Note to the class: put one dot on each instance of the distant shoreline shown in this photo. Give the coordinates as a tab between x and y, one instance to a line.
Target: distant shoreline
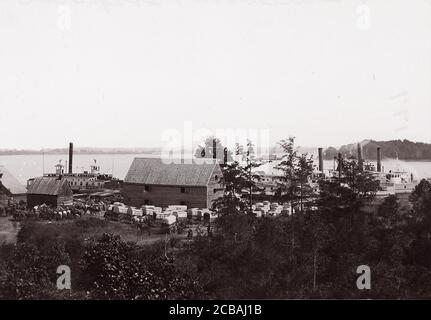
76	152
385	159
37	153
402	149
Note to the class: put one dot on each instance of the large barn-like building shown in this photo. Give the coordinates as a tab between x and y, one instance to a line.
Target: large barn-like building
54	192
150	181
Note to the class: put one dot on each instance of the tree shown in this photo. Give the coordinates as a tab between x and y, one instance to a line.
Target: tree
287	166
330	153
116	270
250	164
234	181
403	149
314	240
29	273
348	190
239	183
421	199
297	169
420	225
303	170
390	214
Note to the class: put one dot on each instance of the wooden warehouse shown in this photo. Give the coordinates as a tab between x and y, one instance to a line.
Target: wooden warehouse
150	181
51	191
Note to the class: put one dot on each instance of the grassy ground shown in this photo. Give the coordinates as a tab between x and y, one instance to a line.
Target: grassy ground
8	230
130	232
88	227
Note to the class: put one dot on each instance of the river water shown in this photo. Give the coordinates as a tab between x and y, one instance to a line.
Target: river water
24	167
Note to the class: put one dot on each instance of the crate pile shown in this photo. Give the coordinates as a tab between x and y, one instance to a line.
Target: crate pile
266	208
170	215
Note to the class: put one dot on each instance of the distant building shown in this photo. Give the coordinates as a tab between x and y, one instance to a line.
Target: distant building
270	177
50	191
92	180
150	181
268	183
11	187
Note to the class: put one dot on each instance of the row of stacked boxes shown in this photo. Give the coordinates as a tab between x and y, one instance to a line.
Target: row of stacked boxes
167	215
266	208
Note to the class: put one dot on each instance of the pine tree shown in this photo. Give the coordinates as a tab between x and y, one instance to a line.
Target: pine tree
239	182
297	169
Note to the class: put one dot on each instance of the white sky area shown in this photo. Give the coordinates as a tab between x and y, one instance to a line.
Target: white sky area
120	73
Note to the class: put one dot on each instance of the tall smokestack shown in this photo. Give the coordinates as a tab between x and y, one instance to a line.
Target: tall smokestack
320	159
340	165
70	157
214	149
379	159
360	160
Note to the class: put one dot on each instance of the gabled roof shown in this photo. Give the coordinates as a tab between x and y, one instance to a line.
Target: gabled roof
10	182
49	186
153	171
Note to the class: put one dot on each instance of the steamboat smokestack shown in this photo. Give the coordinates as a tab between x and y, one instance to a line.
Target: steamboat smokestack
360	160
70	157
320	159
379	159
214	149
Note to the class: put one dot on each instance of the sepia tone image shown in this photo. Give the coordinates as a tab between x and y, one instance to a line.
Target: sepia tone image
215	150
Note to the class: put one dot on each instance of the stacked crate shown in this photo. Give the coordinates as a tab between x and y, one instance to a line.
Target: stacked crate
150	210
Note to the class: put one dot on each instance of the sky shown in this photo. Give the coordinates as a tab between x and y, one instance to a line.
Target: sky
125	73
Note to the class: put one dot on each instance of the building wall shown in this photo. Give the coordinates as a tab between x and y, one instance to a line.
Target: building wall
214	189
38	199
4	190
159	195
78	183
20	197
53	201
4	199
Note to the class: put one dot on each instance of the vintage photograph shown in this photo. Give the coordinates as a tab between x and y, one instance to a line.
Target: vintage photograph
184	150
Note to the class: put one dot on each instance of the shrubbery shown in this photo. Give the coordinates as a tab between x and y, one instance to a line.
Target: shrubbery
104	267
330	244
